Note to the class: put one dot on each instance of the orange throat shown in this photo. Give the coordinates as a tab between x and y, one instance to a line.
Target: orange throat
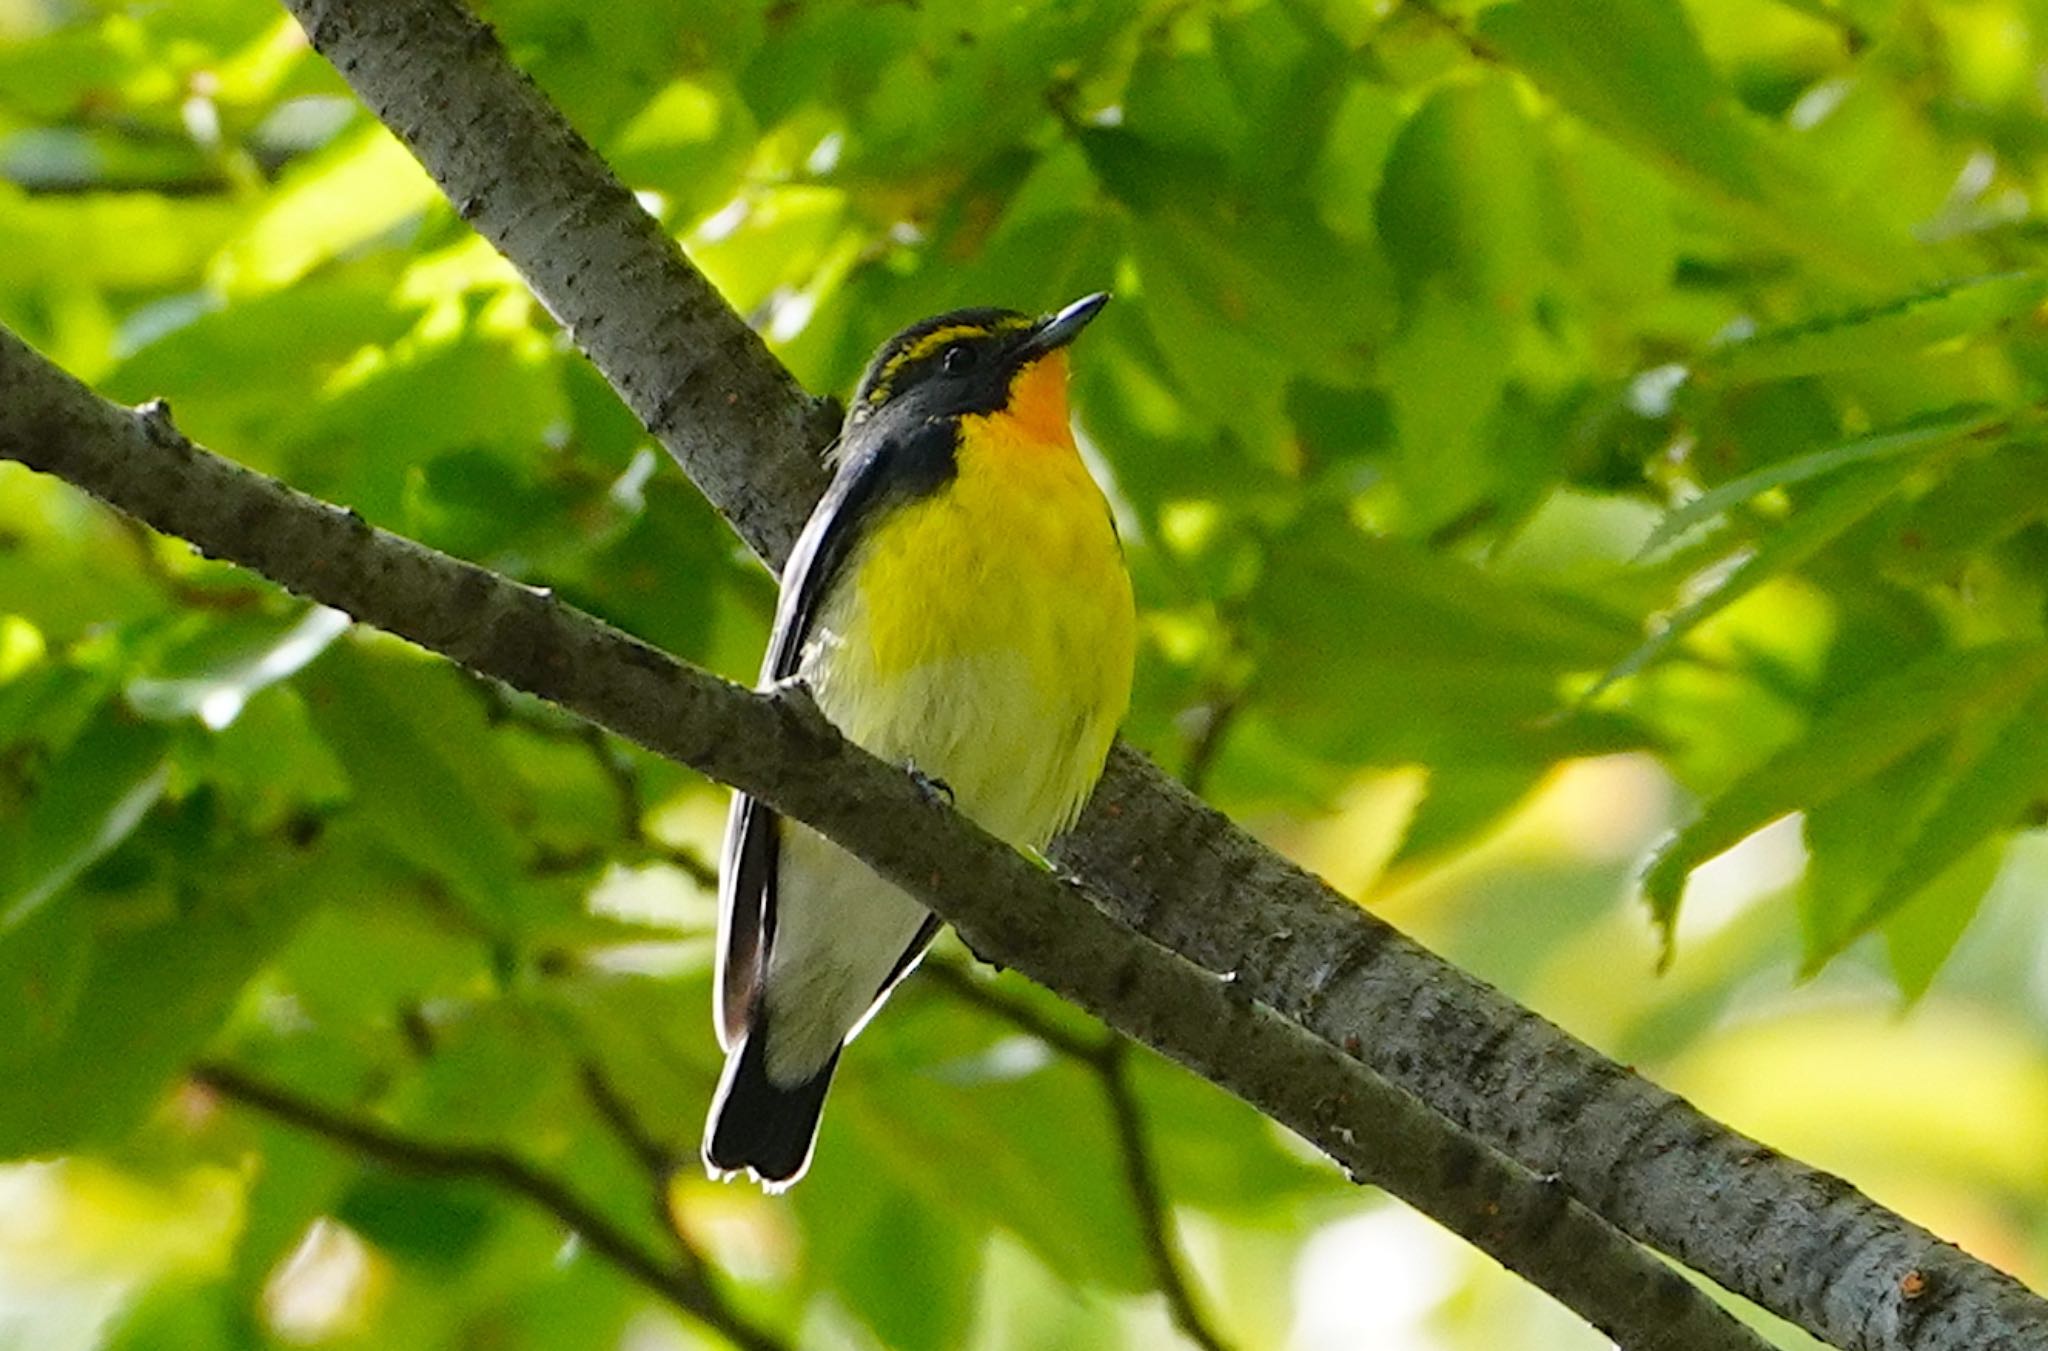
1037	410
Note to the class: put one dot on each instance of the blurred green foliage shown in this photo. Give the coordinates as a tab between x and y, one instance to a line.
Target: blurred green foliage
1490	388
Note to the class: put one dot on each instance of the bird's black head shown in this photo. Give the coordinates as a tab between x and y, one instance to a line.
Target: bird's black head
964	361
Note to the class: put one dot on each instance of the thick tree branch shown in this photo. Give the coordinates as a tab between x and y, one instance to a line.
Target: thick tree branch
681	1284
778	747
1799	1242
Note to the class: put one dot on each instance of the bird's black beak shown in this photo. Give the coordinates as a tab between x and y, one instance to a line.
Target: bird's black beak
1057	330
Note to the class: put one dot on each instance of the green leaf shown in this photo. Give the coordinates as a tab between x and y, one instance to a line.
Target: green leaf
969	1118
867	1237
155	992
45	960
1879	335
1818	523
688	142
178	1315
1923	433
1634	68
1997	784
213	678
387	950
1464	197
1347	627
654	578
66	563
1921	933
122	241
299	337
1863	734
1982	502
1261	91
1463	800
359	187
1218	1154
439	390
87	803
396	739
1857	839
1445	372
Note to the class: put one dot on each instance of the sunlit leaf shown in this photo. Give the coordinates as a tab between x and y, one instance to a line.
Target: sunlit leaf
425	808
1936	430
351	192
1859	737
1837	508
1921	933
213	680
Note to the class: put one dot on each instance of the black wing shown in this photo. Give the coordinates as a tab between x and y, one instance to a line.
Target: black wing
889	466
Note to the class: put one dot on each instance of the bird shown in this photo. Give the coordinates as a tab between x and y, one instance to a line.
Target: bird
958	603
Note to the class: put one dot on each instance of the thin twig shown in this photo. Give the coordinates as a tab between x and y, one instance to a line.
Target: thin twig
1109	1057
964	986
656	1160
1475	46
679	1284
1141	1174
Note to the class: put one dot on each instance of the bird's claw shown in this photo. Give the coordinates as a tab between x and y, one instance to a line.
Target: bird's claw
934	788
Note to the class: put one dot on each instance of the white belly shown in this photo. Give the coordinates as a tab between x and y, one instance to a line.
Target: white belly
839	928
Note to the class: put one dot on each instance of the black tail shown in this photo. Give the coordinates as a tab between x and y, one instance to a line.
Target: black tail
759	1125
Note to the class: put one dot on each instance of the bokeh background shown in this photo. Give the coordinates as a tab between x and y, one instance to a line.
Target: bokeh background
1533	425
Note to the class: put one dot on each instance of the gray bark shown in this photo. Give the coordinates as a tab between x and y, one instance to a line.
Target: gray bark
1800	1242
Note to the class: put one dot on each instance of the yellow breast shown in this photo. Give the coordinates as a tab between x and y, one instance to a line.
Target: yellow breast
986	633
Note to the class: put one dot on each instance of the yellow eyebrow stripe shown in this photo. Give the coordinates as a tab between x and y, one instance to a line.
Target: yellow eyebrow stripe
932	342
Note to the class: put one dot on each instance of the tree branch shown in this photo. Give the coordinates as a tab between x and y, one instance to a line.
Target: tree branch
1141	1175
778	747
682	1285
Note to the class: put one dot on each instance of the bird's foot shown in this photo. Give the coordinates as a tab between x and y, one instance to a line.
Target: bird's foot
934	788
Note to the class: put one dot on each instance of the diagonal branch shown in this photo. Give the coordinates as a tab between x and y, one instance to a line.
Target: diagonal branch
1797	1241
682	1285
778	747
657	1164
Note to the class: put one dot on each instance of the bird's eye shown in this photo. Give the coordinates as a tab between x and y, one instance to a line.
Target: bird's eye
957	359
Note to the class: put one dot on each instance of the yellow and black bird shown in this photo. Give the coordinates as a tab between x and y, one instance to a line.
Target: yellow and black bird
957	604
